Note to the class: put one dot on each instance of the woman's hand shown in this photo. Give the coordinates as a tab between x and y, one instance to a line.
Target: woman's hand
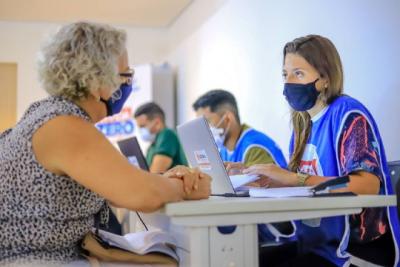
234	168
204	188
190	177
192	180
261	182
276	175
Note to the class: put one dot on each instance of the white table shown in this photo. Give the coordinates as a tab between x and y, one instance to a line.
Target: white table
194	223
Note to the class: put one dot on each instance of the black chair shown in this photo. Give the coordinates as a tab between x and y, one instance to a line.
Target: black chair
394	171
372	253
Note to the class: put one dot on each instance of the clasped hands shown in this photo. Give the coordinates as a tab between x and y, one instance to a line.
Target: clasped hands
196	184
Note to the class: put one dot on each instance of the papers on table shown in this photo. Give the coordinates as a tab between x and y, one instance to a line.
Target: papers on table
242	179
303	191
321	189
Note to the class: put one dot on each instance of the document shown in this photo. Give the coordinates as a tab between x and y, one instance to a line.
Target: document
242	179
320	190
143	242
301	191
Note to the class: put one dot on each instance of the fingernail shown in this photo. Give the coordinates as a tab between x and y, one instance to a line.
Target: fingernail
196	186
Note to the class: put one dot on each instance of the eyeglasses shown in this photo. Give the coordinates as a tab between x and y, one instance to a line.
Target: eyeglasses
127	76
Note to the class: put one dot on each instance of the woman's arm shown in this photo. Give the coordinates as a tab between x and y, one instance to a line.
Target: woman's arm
361	182
68	145
358	156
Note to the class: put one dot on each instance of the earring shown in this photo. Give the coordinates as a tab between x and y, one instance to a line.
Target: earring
96	97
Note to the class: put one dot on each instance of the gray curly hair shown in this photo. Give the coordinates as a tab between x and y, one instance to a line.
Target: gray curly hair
81	58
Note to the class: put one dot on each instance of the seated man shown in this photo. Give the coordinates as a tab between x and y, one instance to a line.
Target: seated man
165	150
239	143
236	142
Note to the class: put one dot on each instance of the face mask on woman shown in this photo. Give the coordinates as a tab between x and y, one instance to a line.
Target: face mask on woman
301	97
115	103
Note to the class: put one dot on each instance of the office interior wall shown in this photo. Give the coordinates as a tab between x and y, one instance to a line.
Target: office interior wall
21	41
8	99
239	47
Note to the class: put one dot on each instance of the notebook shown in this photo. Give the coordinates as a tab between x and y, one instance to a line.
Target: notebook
143	242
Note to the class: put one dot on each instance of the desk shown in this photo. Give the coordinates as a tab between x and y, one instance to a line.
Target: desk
194	223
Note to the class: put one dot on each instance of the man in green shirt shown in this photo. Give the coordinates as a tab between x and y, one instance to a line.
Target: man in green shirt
165	150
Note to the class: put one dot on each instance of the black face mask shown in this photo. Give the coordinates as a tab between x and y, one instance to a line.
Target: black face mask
301	97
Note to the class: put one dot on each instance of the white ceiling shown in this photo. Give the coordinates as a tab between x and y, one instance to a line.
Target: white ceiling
140	13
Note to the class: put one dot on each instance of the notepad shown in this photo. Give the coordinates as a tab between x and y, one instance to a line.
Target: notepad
143	242
302	191
242	179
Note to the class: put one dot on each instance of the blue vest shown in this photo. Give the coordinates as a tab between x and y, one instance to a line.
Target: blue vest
251	138
328	237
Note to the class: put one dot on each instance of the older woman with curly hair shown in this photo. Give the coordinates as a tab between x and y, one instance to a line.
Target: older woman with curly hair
57	170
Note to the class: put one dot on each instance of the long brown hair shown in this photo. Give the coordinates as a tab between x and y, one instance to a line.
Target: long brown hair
320	53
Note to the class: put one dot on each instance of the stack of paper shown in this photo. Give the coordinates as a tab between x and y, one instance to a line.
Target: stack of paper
303	191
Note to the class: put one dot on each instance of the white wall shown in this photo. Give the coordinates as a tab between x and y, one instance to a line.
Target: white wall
21	41
239	47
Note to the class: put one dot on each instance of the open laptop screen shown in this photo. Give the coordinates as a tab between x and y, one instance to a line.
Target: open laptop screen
202	152
131	149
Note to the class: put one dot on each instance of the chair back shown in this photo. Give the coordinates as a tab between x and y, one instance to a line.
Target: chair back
394	171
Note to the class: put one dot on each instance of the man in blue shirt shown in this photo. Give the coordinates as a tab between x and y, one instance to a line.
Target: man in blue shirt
237	142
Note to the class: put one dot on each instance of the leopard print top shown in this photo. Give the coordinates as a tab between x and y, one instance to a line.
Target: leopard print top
43	216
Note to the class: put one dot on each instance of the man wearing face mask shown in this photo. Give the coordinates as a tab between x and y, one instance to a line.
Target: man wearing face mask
236	142
165	150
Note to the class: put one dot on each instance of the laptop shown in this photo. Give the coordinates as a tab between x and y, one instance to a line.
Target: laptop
202	152
130	148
